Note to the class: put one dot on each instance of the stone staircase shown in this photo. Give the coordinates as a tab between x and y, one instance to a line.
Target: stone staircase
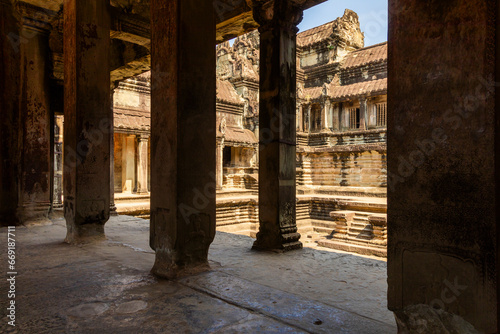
358	226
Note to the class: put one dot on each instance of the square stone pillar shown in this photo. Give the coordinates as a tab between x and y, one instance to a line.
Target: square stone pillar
87	118
327	111
344	117
300	123
309	118
9	114
219	161
336	117
36	163
142	164
277	142
183	135
443	165
363	114
112	205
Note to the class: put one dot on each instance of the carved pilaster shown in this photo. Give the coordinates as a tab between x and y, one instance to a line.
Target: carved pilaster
36	118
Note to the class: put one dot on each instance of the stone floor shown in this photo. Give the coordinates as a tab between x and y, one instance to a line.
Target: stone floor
107	288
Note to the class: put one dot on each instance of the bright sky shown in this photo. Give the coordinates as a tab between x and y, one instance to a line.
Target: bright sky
372	17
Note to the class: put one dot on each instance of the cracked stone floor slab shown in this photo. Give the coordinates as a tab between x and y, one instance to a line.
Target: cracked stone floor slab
106	287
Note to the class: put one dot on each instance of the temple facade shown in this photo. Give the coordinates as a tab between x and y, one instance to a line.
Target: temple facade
65	57
341	138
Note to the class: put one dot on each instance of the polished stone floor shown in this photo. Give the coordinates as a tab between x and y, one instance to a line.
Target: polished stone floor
107	288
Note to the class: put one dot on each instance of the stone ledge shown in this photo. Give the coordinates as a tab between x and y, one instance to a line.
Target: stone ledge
351	247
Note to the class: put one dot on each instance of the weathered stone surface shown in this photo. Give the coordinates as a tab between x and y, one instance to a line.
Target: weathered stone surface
9	115
37	154
277	104
87	127
417	319
442	159
183	90
106	288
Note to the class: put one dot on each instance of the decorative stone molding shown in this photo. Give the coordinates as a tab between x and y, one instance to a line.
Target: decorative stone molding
36	18
278	13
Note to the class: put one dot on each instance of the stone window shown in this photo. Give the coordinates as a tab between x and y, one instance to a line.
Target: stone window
316	117
382	114
227	156
354	118
305	118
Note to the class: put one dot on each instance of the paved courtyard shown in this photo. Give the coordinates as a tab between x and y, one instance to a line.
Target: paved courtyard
106	287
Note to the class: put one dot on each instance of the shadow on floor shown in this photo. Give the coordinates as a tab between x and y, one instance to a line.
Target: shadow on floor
106	288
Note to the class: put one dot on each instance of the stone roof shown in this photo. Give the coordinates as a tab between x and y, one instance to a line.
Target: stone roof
315	35
345	29
371	54
313	92
361	88
128	119
237	135
227	93
335	91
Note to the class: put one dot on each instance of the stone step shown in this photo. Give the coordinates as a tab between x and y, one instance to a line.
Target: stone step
352	247
323	230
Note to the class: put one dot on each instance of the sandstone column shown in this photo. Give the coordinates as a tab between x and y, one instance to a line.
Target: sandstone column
336	117
327	109
112	206
443	165
278	32
57	200
183	135
309	118
142	164
300	122
219	162
36	126
363	114
9	114
87	123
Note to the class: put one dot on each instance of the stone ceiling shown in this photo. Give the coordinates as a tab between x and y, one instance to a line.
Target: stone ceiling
130	30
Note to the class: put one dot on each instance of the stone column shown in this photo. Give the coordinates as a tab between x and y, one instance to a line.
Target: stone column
9	115
277	216
183	135
443	159
300	122
87	123
327	110
142	164
309	118
336	117
363	114
112	206
344	117
57	201
35	116
219	162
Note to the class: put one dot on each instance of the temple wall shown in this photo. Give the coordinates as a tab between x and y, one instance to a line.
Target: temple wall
343	169
443	156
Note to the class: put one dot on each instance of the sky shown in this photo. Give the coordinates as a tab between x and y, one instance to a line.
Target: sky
372	17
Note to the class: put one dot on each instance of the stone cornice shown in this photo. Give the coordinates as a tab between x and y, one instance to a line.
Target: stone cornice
35	17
